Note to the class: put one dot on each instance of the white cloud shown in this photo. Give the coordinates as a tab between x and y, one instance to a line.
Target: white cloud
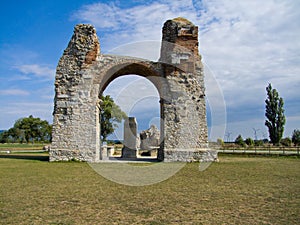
247	44
37	70
15	92
134	93
100	14
139	23
15	110
246	38
245	128
247	48
15	78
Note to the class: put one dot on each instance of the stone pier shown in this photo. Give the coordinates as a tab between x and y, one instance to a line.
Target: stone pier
130	149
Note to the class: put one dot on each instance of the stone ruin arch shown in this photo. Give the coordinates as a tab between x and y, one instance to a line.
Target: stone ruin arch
83	73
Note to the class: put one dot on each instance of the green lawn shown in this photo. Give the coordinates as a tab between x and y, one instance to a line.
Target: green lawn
237	190
17	147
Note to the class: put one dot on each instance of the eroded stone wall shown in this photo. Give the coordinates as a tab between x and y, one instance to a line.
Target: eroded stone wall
75	121
185	128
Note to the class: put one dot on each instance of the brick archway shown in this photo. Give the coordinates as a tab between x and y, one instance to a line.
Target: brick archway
83	73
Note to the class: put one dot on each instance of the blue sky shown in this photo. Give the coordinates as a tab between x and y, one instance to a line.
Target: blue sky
244	44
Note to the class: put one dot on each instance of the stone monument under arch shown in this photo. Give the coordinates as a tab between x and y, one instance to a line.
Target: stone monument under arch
83	73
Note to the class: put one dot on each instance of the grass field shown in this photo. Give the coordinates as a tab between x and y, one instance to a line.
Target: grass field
20	147
237	190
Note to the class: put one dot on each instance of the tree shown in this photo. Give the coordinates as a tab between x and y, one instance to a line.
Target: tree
4	137
32	129
296	137
220	142
26	130
275	115
259	142
249	141
16	134
110	116
286	141
11	135
240	141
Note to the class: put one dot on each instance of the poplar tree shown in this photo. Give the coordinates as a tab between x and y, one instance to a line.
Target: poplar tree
275	115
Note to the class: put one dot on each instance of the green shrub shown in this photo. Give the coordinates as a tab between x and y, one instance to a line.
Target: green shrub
249	141
240	141
296	137
220	142
259	142
286	142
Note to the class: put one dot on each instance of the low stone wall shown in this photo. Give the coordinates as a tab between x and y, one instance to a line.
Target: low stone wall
69	155
107	151
190	155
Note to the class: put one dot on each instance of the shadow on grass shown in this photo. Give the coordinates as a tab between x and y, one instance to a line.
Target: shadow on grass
140	159
25	156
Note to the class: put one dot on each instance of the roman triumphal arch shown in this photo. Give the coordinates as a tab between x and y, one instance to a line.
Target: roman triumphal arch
83	73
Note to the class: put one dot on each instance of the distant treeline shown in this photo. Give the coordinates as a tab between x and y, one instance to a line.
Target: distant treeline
287	141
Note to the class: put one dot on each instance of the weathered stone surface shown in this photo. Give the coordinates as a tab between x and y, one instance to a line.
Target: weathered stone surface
150	138
83	73
191	155
130	138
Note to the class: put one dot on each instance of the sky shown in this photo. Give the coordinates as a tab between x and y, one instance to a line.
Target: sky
244	46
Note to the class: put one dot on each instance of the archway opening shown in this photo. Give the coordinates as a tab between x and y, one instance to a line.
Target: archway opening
138	97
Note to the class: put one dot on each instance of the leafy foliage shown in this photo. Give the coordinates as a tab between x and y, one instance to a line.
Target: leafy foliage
28	129
220	142
296	137
110	116
249	141
258	142
287	142
239	140
275	115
